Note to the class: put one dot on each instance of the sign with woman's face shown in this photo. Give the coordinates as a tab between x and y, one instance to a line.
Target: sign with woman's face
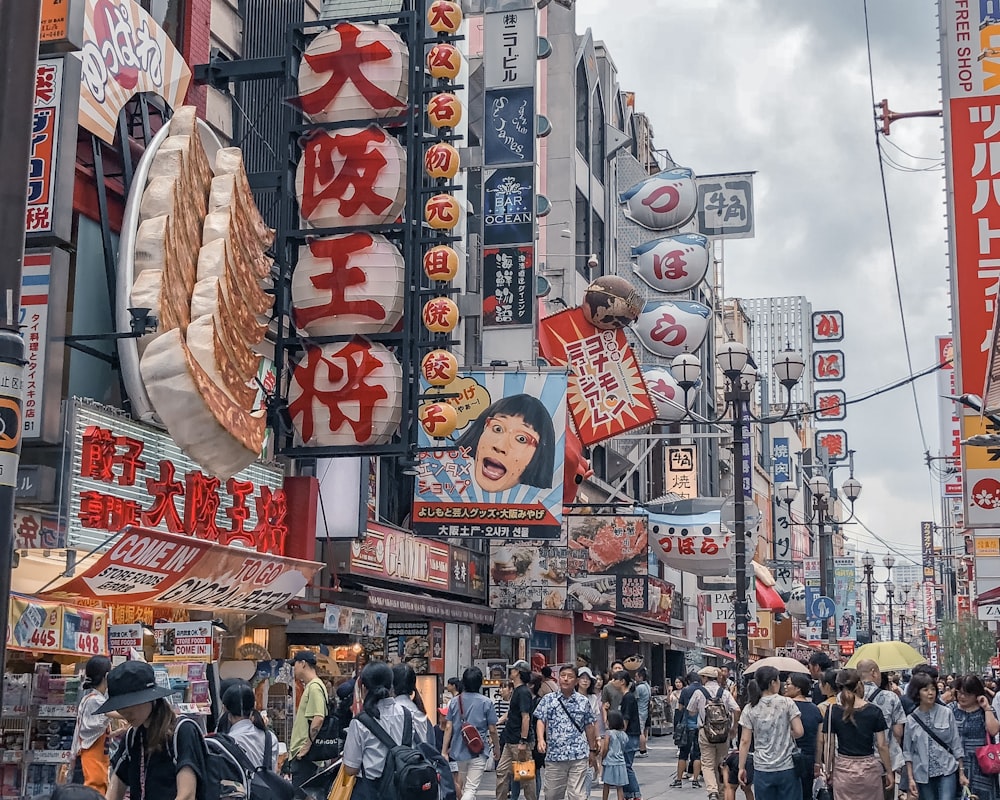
500	475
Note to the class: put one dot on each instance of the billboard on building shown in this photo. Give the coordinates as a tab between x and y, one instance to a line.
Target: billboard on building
500	474
845	597
949	418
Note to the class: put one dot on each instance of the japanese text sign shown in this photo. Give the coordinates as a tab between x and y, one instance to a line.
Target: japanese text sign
828	365
36	283
830	405
781	460
125	52
510	48
725	206
834	442
845	596
123	639
123	473
682	470
927	549
190	641
949	418
607	393
827	326
501	475
508	286
56	627
401	558
61	26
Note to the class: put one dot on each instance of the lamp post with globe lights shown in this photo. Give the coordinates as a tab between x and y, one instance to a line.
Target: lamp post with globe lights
890	592
868	564
821	515
740	378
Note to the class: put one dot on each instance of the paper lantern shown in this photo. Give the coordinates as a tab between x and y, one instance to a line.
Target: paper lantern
442	161
442	212
354	71
353	283
346	395
439	367
441	263
444	16
444	110
669	328
611	302
352	177
674	263
666	393
662	201
438	420
440	315
444	62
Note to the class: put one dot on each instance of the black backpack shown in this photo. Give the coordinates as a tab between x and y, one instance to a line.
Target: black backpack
407	773
224	778
262	783
327	744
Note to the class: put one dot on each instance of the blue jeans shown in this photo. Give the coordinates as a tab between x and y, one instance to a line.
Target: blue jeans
943	787
783	785
632	787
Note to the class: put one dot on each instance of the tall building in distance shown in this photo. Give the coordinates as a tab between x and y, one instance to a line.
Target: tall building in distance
776	324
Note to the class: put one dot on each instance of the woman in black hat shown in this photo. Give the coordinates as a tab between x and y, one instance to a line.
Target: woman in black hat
161	757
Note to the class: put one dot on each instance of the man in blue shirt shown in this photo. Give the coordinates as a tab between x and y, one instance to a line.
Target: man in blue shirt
562	717
475	709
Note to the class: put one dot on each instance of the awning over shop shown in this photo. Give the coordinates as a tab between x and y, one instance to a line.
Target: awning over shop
648	634
144	566
550	623
716	652
421	605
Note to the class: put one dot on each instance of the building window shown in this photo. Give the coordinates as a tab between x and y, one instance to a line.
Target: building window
582	112
597	242
597	164
169	15
582	234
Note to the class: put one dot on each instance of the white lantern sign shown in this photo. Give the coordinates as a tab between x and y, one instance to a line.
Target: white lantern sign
670	327
662	201
674	263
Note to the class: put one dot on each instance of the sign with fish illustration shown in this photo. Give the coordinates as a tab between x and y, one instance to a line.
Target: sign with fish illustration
662	201
668	328
672	264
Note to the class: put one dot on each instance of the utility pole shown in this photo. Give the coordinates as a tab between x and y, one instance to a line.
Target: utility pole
19	20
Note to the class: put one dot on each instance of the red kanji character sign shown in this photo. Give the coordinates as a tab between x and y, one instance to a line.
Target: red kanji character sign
828	326
828	365
830	405
834	442
201	504
163	491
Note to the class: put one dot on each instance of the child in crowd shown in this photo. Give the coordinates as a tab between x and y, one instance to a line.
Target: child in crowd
613	755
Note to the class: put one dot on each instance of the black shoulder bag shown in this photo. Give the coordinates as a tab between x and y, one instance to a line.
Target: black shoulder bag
930	733
566	712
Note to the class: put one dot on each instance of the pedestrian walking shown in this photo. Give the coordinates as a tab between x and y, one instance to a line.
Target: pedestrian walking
161	757
799	689
877	693
713	699
566	732
613	756
932	747
308	720
858	773
686	737
633	730
247	726
818	664
977	725
585	686
472	708
643	694
515	738
88	750
771	722
405	694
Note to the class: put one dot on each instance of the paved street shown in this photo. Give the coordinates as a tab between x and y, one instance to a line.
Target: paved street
655	774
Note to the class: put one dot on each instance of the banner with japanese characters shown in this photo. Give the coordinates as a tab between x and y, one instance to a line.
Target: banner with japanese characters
508	286
500	473
949	418
725	206
845	597
607	392
49	627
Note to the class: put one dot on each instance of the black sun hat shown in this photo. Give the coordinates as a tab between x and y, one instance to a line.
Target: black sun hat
131	684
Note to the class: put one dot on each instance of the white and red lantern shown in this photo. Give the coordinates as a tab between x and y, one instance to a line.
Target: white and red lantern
439	367
442	212
662	201
354	71
444	62
444	16
666	393
441	263
352	283
440	315
441	161
670	327
672	264
444	110
346	395
438	420
352	177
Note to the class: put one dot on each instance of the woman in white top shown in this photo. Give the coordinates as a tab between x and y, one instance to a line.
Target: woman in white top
770	722
404	687
247	727
91	731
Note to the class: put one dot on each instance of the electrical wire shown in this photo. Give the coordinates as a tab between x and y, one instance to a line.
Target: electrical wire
937	167
884	138
892	244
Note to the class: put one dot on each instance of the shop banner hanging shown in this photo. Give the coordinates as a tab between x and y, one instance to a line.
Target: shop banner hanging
49	627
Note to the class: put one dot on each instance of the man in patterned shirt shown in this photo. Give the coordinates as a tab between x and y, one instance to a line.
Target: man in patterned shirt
890	706
561	719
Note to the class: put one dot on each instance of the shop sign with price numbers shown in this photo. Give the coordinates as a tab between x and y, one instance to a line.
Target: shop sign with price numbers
49	627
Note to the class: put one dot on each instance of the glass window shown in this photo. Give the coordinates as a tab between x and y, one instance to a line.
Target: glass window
582	234
597	242
582	112
169	15
597	137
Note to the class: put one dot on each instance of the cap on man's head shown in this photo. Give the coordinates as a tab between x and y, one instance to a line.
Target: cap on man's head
305	655
709	672
520	664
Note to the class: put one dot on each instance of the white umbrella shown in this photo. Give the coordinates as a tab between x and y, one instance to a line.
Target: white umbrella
780	663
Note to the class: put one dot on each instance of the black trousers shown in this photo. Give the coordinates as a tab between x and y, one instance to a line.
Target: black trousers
301	771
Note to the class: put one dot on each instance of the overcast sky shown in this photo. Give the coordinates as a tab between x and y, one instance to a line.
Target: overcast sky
781	87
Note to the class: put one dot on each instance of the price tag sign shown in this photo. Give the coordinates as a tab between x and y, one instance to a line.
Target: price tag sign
44	639
56	712
89	643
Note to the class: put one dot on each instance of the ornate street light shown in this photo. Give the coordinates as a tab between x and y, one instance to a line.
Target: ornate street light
741	378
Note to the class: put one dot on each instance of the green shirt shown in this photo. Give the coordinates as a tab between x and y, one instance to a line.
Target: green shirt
312	704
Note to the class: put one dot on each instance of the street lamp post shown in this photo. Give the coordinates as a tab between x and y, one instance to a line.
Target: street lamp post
902	614
741	376
868	562
822	504
890	590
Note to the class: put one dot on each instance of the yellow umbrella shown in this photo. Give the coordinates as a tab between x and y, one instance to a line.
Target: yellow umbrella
888	655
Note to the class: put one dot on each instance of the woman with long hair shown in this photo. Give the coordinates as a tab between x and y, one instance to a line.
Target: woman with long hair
585	686
404	687
861	732
977	725
932	747
161	757
770	721
88	751
799	689
247	728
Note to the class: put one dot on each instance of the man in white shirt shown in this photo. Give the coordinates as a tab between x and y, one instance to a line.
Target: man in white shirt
713	754
889	705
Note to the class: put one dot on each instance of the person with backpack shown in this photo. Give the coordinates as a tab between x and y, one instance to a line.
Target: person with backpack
471	719
629	710
381	748
308	720
404	688
686	736
247	727
717	714
161	757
